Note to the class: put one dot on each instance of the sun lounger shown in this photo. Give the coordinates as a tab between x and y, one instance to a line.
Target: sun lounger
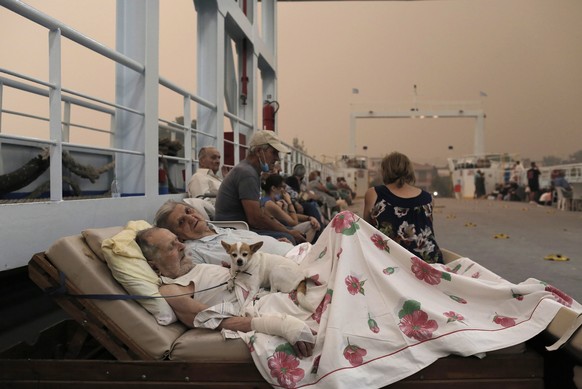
144	352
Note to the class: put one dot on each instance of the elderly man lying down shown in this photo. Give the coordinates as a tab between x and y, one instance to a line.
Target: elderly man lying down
382	313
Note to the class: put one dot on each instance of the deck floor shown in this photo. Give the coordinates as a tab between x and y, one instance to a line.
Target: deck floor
469	227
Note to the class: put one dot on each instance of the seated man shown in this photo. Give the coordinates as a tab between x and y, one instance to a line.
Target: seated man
239	194
182	280
205	182
202	239
300	196
343	185
337	192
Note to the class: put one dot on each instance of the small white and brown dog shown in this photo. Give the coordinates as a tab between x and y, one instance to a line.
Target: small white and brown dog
263	270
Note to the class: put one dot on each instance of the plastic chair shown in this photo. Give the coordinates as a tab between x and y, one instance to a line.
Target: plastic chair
564	201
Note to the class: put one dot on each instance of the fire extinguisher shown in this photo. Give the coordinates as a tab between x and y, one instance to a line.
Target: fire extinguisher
162	180
269	110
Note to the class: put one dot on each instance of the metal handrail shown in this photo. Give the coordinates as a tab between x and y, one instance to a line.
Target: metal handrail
50	23
42	92
22	114
104	106
241	121
168	84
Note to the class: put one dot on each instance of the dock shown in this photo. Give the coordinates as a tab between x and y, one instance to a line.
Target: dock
513	239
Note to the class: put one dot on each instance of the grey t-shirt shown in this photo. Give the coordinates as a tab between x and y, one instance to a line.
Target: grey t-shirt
209	250
241	183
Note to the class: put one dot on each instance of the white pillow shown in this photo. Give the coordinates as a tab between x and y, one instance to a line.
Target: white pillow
130	268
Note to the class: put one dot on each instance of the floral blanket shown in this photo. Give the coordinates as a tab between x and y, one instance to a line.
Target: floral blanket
384	314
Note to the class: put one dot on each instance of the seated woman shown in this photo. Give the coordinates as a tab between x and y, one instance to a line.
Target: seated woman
402	211
278	203
323	194
300	196
202	239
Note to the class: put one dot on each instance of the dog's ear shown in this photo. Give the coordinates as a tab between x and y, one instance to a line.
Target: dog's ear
225	245
256	246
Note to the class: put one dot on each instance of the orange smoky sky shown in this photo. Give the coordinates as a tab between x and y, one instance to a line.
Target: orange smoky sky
524	54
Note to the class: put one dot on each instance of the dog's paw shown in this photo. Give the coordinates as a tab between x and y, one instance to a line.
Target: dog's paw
230	285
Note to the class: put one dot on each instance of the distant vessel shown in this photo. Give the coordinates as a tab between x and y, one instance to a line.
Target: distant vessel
497	169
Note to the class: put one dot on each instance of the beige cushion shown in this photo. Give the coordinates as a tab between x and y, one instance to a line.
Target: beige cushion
449	256
207	345
72	256
561	323
130	269
95	236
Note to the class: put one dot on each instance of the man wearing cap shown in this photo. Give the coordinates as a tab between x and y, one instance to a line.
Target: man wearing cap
239	194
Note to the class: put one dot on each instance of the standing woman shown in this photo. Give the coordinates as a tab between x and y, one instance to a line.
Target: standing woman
401	210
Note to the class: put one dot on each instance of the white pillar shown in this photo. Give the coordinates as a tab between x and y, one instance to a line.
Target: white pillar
210	69
480	134
137	37
56	150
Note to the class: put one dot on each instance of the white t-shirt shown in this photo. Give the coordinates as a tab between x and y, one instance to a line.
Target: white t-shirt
209	250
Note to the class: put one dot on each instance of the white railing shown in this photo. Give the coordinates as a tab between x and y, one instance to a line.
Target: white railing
62	101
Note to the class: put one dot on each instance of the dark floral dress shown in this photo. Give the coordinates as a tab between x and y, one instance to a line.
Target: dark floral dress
408	222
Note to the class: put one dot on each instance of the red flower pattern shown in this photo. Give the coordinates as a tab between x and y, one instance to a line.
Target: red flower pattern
285	368
504	321
315	365
425	272
380	243
354	285
354	354
343	221
416	325
560	296
373	325
322	306
454	316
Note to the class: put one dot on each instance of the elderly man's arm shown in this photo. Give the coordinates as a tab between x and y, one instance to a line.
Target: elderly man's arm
186	309
180	299
261	220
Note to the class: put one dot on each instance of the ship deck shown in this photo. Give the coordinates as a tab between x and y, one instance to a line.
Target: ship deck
512	239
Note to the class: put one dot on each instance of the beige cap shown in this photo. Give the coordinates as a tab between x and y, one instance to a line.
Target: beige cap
264	137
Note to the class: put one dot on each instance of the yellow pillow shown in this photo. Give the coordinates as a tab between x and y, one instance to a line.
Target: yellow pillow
130	268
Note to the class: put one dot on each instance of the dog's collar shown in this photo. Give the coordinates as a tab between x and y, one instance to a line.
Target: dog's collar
243	271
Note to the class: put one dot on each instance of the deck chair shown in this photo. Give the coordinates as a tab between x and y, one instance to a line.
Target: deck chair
146	353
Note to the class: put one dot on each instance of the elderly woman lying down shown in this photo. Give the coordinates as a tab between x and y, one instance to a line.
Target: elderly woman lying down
203	239
382	313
